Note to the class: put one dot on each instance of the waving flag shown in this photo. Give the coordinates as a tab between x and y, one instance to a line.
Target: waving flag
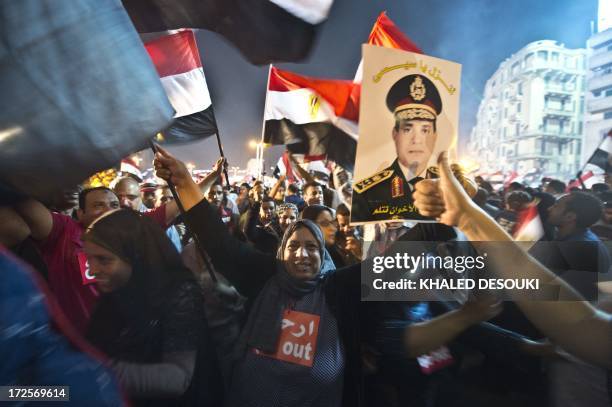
178	64
79	93
529	227
264	31
310	116
601	156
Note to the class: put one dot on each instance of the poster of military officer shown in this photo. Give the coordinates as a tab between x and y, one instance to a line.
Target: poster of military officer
408	114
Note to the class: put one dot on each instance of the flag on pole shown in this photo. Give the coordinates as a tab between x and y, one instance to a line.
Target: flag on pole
529	227
264	31
79	92
601	156
310	116
386	34
178	64
585	178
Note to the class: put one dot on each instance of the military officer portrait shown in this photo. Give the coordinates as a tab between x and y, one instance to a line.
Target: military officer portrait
415	104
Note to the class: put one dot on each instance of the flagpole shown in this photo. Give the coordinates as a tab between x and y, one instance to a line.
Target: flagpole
263	124
218	136
182	211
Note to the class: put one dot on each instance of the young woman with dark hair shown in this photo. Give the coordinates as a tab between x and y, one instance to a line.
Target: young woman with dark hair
150	319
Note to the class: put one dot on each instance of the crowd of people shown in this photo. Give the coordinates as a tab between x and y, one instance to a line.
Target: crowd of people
252	296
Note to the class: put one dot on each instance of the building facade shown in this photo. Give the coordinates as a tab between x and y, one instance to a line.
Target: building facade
598	116
531	117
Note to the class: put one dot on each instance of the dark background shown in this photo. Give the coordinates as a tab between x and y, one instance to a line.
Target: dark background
479	34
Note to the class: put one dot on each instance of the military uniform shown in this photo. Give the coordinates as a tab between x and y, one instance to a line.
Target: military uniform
387	195
383	196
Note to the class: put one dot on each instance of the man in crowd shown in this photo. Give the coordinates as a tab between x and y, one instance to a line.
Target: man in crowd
292	196
59	238
348	241
147	194
555	187
313	193
128	191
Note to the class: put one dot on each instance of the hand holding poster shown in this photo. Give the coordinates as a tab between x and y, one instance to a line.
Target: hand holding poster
409	113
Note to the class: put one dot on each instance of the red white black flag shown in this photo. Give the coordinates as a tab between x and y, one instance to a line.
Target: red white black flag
311	116
264	31
177	61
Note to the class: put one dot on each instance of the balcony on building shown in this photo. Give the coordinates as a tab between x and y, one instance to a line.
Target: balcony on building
599	105
599	60
600	81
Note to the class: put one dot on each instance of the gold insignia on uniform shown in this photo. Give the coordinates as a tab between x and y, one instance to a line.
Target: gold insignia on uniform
417	89
375	179
314	104
397	187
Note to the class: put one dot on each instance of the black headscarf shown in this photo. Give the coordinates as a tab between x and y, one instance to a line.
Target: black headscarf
156	267
312	212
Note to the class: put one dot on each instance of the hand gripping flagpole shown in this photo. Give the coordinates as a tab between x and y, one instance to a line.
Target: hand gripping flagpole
189	227
220	147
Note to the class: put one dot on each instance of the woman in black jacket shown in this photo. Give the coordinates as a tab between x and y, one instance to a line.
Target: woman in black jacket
302	341
150	319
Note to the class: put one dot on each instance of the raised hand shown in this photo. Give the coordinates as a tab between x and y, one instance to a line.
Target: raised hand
443	198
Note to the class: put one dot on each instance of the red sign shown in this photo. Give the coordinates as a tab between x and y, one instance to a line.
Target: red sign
298	339
84	267
435	360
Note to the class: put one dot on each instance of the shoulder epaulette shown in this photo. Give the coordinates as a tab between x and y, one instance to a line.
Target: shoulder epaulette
369	182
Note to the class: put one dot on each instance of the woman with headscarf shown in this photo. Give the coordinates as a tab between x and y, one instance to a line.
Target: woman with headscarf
150	319
300	345
325	218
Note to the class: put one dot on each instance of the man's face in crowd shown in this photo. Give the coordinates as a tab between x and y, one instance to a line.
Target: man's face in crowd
328	226
244	191
302	255
266	212
97	203
414	143
343	225
148	198
314	195
110	271
286	218
215	195
164	196
128	192
557	214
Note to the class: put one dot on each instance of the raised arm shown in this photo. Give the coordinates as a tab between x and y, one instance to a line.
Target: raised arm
244	266
303	173
172	210
37	217
276	186
573	324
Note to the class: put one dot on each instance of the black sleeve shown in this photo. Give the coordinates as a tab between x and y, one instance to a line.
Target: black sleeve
251	231
246	268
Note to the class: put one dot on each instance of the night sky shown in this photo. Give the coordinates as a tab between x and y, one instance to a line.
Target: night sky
479	34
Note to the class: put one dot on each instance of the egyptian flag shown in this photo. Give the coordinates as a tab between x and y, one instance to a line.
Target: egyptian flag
529	227
264	31
310	116
601	156
178	64
386	34
584	181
